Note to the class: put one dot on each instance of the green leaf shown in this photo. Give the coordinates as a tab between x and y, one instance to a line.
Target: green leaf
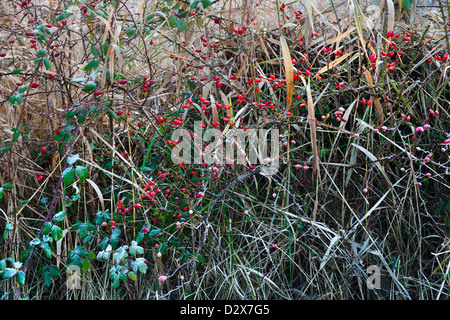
47	250
194	3
77	80
57	233
94	51
8	273
6	149
406	4
102	245
42	52
114	115
47	228
132	276
59	216
206	3
72	159
89	86
134	248
16	136
116	282
20	277
172	20
47	63
85	265
8	186
63	15
83	228
101	216
16	71
93	64
23	89
114	241
1	192
120	254
82	172
68	176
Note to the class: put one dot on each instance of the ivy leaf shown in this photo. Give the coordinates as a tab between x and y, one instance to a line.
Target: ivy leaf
68	176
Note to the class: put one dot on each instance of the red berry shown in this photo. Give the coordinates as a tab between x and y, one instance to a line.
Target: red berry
119	112
43	150
35	84
97	93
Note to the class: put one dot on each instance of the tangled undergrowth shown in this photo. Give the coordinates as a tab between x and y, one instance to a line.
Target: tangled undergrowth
94	207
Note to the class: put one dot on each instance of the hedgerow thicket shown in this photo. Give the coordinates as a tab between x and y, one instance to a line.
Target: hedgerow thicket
92	205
